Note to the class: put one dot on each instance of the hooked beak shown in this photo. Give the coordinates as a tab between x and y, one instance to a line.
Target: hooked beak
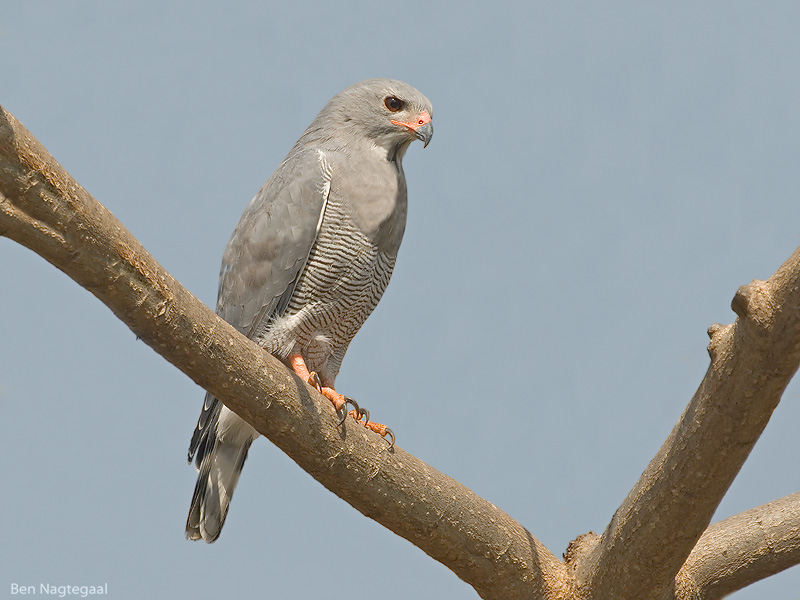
424	133
421	127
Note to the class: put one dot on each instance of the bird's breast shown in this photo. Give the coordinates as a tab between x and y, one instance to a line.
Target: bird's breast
376	198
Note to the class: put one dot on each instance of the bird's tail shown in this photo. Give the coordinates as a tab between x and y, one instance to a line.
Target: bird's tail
220	459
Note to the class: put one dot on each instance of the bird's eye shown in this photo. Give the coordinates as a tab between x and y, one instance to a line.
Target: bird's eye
393	104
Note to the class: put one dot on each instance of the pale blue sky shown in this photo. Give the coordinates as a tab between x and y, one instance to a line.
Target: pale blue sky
603	177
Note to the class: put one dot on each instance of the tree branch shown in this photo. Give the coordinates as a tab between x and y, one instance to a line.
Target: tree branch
741	550
44	209
649	539
654	530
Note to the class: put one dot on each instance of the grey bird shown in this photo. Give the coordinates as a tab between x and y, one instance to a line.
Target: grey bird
307	263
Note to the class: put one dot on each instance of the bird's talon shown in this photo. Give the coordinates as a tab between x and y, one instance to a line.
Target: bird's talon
315	381
364	413
389	432
352	402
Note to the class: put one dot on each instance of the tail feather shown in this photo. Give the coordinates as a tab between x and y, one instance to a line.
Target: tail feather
219	469
207	421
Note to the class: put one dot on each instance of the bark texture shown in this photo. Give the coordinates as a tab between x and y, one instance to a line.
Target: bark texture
741	550
643	552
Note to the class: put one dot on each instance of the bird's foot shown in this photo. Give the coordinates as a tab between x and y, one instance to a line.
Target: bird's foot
381	430
339	401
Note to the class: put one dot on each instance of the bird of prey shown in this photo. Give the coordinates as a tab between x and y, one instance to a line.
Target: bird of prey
307	263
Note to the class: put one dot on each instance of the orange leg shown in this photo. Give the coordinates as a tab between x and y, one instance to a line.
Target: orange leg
298	365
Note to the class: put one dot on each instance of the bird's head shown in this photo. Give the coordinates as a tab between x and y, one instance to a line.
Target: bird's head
390	114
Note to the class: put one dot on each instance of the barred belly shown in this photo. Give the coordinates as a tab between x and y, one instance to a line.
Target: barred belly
342	282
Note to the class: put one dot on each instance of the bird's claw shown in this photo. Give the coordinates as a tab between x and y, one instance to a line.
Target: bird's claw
315	381
348	400
357	413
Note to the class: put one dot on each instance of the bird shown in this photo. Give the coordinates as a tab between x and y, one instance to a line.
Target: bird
308	262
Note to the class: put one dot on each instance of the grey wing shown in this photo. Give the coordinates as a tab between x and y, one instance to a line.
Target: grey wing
266	255
272	241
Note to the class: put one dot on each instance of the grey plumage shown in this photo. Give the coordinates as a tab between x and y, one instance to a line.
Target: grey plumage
310	259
